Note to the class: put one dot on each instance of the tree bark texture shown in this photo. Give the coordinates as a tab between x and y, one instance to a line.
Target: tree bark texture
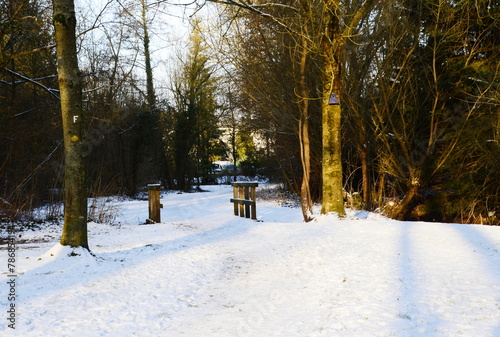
333	200
365	172
150	92
75	149
304	139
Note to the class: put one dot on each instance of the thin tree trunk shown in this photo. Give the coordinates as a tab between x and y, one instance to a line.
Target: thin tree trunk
365	172
70	86
305	147
150	92
380	190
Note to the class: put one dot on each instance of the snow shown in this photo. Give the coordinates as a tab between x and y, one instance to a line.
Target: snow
205	272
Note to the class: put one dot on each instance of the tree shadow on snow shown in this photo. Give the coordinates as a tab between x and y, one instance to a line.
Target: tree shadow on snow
59	273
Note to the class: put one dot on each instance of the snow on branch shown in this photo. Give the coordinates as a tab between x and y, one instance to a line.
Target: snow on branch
50	91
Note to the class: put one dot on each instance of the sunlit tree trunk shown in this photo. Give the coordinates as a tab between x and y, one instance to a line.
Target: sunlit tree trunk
70	86
332	43
333	200
365	173
332	40
305	143
304	139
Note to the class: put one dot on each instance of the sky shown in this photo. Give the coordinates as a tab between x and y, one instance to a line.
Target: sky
169	31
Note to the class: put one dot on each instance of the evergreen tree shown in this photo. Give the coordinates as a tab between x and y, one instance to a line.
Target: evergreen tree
195	114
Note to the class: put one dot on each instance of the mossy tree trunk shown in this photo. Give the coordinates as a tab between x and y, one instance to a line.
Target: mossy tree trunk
75	149
333	40
333	200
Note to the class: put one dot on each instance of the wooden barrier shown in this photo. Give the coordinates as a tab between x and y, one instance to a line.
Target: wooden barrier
244	199
154	203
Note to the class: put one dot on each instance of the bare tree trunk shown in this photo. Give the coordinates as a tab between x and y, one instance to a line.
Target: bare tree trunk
333	200
150	92
305	147
402	208
380	190
332	43
70	86
365	172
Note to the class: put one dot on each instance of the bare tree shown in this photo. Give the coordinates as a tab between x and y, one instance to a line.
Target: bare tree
327	41
435	83
333	42
70	86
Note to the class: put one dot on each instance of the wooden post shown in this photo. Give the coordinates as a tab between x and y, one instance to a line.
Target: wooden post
254	205
242	207
154	202
247	197
235	195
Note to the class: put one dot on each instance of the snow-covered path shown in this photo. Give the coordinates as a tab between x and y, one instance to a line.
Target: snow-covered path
205	272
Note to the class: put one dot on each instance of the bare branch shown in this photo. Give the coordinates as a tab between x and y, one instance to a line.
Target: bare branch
32	51
358	17
256	8
50	91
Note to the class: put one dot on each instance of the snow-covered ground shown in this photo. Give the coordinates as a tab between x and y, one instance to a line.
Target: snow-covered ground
205	272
